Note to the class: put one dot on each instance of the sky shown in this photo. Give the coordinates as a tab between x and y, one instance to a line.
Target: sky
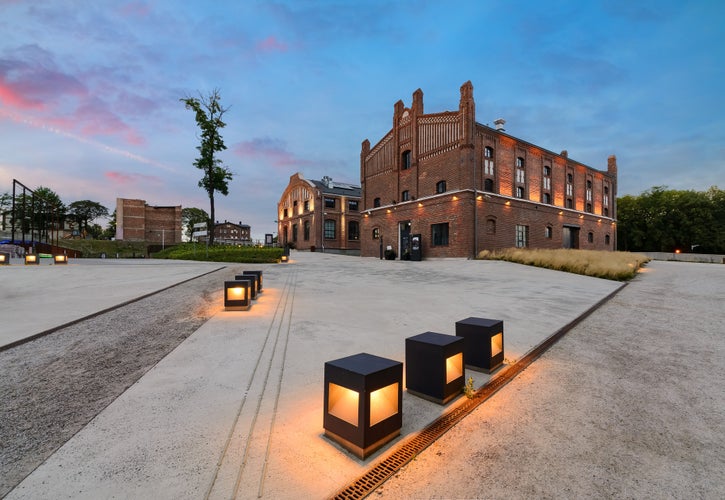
90	91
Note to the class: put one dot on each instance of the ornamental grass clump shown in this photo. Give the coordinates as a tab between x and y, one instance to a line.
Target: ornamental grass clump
620	266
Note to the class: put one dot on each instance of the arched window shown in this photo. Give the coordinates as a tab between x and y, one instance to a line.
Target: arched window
488	152
547	198
405	195
488	185
376	202
519	162
606	239
547	232
441	187
519	192
590	237
376	233
405	164
491	226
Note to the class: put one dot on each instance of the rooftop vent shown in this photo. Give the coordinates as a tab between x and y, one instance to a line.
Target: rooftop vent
499	123
327	181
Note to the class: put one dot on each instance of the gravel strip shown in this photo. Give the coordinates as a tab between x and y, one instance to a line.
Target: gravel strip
53	386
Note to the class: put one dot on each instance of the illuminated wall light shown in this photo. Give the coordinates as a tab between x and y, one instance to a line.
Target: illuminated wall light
455	198
434	366
31	259
483	343
420	204
508	203
479	197
4	259
561	212
60	259
388	211
236	295
363	404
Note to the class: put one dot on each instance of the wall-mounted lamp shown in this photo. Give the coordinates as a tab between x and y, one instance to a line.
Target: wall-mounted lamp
483	343
60	259
31	259
236	295
508	203
4	259
561	212
363	402
434	366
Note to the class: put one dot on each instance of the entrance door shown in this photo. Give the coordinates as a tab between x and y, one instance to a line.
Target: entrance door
570	237
404	239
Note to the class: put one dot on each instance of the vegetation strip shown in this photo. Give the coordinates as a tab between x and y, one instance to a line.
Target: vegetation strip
415	444
98	313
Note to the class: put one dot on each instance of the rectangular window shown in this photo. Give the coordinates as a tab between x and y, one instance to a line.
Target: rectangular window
307	230
405	195
520	176
329	229
352	205
522	236
329	202
353	230
294	232
439	234
307	205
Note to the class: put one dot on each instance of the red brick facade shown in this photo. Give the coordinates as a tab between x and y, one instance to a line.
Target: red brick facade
321	214
466	187
137	221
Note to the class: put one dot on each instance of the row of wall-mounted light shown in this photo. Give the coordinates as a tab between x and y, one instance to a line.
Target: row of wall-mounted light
363	408
32	259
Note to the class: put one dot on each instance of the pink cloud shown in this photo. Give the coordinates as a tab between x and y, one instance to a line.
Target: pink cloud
135	9
30	83
271	44
270	150
126	179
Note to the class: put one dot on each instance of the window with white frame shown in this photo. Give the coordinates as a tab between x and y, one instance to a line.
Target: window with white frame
522	236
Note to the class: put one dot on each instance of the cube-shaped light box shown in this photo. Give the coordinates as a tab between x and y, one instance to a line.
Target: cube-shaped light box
363	403
32	259
60	259
4	259
258	274
252	283
483	343
434	366
237	295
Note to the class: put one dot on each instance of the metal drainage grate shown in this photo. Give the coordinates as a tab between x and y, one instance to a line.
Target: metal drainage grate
408	450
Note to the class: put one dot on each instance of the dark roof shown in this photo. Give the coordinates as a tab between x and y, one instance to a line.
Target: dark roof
339	188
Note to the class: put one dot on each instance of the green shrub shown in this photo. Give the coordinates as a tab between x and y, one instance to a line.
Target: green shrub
221	253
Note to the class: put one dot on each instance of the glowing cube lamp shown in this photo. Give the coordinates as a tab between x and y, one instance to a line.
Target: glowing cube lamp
4	259
363	402
60	259
483	343
32	259
434	366
258	274
237	295
252	283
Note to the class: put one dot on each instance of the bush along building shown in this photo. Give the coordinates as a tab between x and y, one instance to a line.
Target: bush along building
457	187
320	215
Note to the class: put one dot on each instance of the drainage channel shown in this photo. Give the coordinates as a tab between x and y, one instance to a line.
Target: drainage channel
413	446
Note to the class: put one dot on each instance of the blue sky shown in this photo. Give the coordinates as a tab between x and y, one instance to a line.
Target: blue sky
89	91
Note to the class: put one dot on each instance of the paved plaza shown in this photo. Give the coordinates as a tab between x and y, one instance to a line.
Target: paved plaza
629	403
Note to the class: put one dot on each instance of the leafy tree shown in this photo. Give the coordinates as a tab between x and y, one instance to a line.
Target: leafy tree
85	211
191	216
667	220
209	114
6	205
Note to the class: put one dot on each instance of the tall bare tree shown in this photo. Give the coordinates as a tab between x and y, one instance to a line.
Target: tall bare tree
209	113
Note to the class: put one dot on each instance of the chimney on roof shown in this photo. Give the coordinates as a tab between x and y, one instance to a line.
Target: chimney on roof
499	123
327	181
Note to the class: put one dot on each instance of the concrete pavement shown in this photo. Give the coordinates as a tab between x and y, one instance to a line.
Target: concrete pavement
236	410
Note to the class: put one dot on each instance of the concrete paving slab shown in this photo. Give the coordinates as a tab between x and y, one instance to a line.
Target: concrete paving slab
37	298
236	410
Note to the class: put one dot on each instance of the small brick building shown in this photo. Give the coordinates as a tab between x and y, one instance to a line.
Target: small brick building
138	221
320	215
232	234
465	187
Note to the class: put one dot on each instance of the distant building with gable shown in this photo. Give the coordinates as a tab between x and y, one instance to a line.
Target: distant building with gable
320	215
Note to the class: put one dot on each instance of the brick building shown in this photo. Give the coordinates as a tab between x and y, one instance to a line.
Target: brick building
466	187
138	221
232	234
320	215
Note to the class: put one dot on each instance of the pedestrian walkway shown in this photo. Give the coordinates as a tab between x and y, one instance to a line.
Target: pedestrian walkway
236	410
